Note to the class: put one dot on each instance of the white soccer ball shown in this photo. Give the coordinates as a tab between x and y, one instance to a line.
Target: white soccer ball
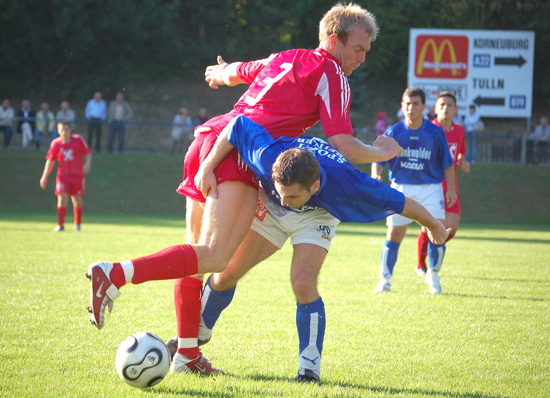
142	360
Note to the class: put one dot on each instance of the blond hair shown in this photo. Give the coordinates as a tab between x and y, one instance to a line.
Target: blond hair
342	19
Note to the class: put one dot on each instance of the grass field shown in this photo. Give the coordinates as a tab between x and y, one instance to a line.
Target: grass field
487	335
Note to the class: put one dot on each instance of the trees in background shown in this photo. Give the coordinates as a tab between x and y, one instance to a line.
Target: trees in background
77	46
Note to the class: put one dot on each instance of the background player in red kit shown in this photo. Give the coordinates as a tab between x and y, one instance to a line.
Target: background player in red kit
445	108
289	92
69	150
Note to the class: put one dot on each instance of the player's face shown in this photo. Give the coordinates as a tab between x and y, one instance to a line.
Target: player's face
413	108
352	54
445	108
295	196
64	132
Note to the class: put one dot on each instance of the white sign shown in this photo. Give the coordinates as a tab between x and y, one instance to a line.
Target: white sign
492	69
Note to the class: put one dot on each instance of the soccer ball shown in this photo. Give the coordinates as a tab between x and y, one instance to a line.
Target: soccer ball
142	360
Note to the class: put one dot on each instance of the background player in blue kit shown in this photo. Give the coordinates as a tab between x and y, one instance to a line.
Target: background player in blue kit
300	178
418	172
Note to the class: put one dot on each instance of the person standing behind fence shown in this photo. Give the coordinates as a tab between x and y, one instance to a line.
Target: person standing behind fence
541	133
96	111
381	123
26	122
445	109
65	114
118	114
182	130
6	120
45	124
202	117
473	126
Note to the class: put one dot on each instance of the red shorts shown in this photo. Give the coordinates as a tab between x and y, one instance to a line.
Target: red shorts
70	184
231	168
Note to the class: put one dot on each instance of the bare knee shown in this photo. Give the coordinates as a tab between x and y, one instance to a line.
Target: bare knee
224	280
305	289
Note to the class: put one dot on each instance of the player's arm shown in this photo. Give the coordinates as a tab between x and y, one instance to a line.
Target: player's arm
87	163
48	167
383	149
376	171
222	74
450	196
415	211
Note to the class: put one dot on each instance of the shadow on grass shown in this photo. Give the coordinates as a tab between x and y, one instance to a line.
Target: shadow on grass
481	296
352	389
482	278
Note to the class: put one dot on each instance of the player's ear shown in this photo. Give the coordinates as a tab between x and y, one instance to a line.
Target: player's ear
315	187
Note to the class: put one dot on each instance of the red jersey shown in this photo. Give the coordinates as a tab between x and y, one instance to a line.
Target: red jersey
457	144
291	91
69	155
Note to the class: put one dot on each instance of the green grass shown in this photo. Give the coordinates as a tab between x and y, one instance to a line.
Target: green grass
486	336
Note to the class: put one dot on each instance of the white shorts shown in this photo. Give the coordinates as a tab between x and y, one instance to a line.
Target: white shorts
428	195
317	227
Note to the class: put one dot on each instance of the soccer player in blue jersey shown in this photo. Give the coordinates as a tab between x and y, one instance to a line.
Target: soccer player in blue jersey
418	172
307	187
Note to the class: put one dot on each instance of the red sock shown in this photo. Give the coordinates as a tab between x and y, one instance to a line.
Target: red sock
423	241
171	263
77	215
61	211
187	299
117	275
451	236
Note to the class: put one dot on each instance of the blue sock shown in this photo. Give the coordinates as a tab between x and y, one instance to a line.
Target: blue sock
436	253
213	303
311	321
388	259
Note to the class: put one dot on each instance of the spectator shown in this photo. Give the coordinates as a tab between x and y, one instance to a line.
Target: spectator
473	126
65	114
6	120
45	124
96	111
118	114
25	122
182	129
381	123
202	117
542	131
431	115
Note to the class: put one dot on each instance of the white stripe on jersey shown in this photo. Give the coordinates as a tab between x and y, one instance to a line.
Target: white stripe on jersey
323	91
344	86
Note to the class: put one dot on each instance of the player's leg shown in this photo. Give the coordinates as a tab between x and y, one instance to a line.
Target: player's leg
422	244
78	208
452	220
220	287
310	309
397	228
62	201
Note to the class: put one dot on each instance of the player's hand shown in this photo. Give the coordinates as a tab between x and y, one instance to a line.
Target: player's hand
451	197
377	177
388	147
43	182
438	234
465	166
86	168
214	73
205	181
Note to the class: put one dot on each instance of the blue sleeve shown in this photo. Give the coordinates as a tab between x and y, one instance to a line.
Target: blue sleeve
249	138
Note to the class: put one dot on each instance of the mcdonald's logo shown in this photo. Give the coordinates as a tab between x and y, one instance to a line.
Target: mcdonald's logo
441	57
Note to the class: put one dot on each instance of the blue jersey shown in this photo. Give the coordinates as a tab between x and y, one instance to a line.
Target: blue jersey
345	192
425	154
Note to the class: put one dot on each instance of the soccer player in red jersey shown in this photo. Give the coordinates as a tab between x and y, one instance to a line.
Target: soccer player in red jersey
445	108
289	92
68	150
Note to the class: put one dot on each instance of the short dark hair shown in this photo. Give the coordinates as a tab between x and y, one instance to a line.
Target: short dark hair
415	92
296	165
446	94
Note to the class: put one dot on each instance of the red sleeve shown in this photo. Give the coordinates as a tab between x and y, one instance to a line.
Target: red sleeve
334	97
83	146
248	71
53	151
462	141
